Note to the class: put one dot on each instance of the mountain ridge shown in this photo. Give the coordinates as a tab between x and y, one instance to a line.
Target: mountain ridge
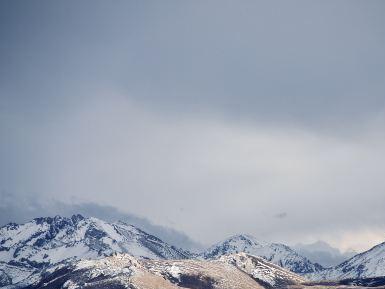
238	271
276	253
46	243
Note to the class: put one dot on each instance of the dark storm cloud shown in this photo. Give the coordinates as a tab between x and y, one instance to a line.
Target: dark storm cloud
233	111
312	63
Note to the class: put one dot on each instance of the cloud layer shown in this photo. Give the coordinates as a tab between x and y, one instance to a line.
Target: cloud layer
212	118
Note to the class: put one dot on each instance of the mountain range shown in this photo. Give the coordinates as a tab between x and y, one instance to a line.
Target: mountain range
45	242
239	271
31	252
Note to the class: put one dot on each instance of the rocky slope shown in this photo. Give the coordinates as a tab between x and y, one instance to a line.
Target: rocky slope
124	271
266	273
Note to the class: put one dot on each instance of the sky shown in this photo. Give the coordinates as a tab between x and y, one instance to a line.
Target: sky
209	117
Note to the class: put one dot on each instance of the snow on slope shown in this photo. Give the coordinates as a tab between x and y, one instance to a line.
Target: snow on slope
44	242
262	270
13	273
52	240
239	271
278	254
370	263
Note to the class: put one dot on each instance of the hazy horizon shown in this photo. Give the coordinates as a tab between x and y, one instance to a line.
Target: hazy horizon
51	208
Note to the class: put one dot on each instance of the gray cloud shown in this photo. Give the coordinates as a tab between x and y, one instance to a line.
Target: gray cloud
314	64
232	112
322	253
23	208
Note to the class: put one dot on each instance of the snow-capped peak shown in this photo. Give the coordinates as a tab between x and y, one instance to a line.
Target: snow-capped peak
46	241
276	253
232	245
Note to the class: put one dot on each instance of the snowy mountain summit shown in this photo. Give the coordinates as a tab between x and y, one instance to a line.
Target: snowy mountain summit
51	240
276	253
44	242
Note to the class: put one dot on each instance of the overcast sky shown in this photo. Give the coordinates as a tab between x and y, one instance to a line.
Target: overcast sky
210	117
